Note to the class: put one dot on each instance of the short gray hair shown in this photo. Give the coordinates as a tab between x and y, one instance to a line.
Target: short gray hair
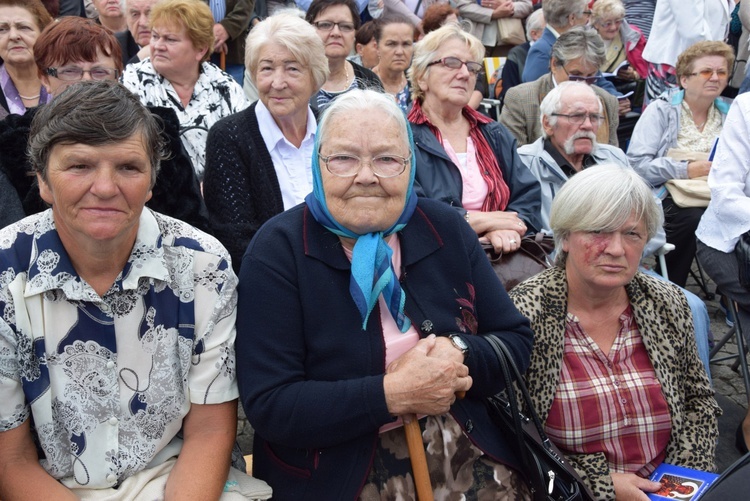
426	50
535	22
602	198
576	43
357	102
94	113
294	34
557	12
553	101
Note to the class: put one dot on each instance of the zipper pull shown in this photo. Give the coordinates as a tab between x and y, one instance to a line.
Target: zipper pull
551	485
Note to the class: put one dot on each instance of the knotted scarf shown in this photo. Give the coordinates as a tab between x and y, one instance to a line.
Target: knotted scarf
498	193
372	266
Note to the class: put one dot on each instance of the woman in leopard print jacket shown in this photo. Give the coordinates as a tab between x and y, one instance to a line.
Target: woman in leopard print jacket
615	374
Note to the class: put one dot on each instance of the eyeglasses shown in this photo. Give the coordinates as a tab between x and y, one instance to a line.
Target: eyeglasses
587	13
580	78
708	73
580	118
609	24
345	165
455	63
328	26
74	73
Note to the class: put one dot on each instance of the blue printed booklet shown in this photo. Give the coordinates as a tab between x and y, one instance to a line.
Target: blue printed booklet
678	483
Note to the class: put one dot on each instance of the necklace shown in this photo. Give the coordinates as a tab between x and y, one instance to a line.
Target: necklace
346	77
28	98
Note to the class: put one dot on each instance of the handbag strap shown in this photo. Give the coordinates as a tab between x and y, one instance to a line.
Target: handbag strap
510	369
512	398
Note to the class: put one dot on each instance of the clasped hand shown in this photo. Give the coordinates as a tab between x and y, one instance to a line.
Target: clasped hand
503	230
425	379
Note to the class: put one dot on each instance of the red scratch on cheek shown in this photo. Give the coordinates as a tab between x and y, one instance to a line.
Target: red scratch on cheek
595	247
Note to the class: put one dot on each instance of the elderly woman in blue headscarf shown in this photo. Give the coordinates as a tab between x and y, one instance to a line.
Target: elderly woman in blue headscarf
364	306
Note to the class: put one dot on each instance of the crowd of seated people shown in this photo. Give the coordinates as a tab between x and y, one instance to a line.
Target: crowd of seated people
345	212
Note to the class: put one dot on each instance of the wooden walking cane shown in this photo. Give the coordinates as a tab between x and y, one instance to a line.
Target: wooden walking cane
418	458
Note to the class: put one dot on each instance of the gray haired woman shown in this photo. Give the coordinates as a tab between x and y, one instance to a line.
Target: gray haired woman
615	374
258	160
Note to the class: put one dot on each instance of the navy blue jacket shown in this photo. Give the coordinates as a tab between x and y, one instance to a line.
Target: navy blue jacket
439	178
311	379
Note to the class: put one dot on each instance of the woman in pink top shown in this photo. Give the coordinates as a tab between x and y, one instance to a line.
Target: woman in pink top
464	158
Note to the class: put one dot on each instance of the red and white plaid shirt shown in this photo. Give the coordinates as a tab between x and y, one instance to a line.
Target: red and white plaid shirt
610	403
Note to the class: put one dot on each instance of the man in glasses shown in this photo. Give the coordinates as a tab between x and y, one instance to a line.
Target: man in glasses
571	114
576	56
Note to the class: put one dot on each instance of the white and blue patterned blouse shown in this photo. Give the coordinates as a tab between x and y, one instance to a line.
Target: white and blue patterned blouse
108	380
216	95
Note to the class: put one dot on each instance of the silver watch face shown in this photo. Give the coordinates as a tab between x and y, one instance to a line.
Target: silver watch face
460	343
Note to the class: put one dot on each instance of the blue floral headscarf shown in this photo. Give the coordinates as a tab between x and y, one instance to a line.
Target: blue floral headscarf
372	265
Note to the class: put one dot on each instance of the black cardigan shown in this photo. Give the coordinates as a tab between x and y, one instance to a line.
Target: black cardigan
240	186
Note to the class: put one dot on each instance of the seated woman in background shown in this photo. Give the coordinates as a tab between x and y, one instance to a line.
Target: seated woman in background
335	22
21	22
258	160
179	76
688	120
464	158
727	218
622	42
74	49
110	15
395	39
328	364
365	45
615	374
440	14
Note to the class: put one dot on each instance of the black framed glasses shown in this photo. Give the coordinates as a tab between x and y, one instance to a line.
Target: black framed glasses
707	73
346	165
328	26
580	118
74	73
455	63
580	78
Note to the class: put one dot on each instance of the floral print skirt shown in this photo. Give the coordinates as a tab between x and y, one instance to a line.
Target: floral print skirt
458	469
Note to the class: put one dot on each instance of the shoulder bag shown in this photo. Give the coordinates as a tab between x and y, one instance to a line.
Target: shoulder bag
548	474
510	31
531	258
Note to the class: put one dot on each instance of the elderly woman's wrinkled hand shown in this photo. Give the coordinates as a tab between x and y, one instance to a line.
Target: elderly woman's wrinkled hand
484	222
698	168
503	241
631	487
418	383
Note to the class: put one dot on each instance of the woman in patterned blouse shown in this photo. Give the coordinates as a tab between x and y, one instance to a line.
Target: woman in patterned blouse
685	121
179	76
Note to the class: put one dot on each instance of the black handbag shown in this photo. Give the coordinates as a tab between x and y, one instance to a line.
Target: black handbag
531	258
742	253
548	474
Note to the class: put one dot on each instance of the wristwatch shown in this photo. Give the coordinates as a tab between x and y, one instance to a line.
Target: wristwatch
459	343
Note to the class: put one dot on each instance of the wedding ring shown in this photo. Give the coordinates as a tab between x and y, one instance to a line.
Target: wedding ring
513	241
520	223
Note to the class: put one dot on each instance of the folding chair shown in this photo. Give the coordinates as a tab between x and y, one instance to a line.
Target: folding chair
741	356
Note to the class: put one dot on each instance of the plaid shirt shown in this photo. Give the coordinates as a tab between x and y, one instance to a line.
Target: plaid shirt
610	403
